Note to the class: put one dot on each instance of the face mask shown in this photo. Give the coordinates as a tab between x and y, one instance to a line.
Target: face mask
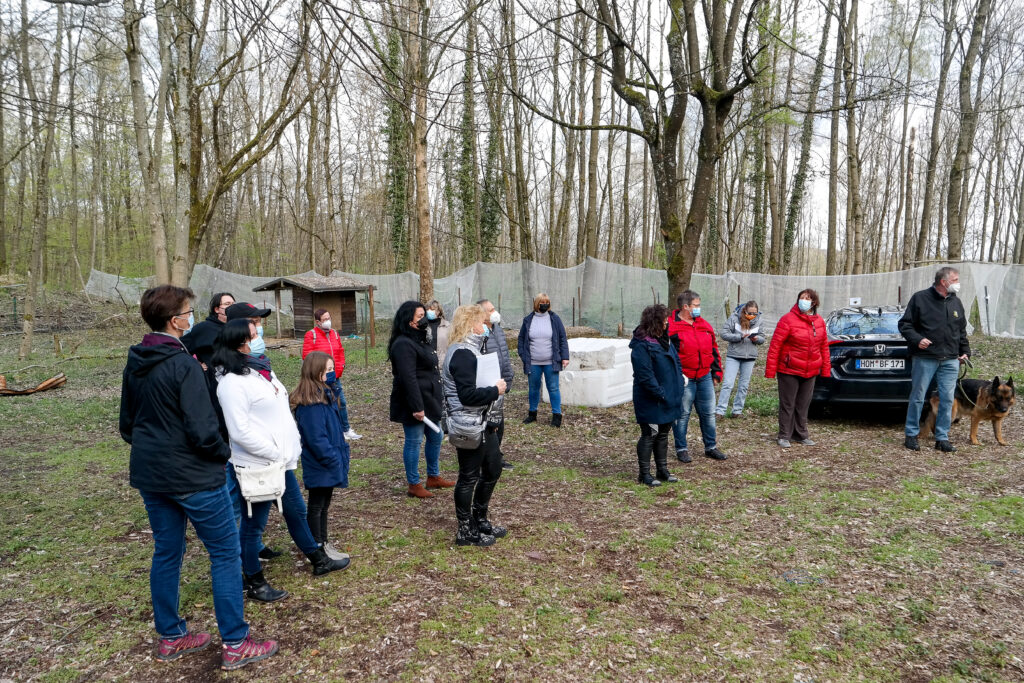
331	377
325	325
259	331
257	347
952	289
486	332
191	322
544	308
422	324
804	304
431	315
751	316
695	311
495	318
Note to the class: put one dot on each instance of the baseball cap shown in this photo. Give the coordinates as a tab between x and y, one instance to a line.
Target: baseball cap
243	309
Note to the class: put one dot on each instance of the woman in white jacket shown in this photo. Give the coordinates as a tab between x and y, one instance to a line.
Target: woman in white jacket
262	432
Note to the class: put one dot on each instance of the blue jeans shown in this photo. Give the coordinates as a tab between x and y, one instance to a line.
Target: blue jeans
743	367
411	452
210	514
342	406
702	392
922	371
551	379
294	516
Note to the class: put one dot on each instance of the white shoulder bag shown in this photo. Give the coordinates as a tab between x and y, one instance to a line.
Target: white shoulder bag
260	484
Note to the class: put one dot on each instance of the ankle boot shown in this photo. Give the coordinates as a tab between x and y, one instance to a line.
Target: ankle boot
322	564
469	534
530	417
661	460
439	482
484	525
417	491
643	458
259	589
556	419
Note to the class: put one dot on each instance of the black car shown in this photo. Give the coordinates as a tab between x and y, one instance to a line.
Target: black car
870	359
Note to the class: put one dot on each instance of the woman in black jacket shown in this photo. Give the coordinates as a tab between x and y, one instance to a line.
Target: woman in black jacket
415	395
476	443
177	464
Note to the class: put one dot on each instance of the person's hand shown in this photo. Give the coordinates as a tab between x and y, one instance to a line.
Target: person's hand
565	364
963	357
924	343
501	386
745	333
419	415
204	366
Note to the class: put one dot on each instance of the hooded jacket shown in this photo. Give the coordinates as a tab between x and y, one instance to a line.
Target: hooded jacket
657	379
799	346
259	420
941	319
200	339
329	342
696	345
325	454
168	418
740	347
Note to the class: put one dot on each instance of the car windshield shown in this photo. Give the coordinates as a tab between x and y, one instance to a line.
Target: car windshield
864	322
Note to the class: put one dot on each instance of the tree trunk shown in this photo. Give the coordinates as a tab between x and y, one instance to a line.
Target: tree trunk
45	123
590	228
832	252
908	203
420	85
855	218
955	222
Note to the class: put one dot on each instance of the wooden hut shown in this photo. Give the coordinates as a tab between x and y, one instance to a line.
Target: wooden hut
337	294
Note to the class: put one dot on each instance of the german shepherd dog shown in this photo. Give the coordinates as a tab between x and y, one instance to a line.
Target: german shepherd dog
980	399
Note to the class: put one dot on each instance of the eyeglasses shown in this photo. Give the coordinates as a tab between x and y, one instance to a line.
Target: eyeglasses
185	314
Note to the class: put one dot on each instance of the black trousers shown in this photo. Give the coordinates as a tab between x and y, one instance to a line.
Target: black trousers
794	401
479	470
316	512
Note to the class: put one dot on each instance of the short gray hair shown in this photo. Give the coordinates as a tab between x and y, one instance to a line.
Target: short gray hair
944	272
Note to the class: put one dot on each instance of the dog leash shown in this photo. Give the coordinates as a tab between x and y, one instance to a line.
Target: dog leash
959	380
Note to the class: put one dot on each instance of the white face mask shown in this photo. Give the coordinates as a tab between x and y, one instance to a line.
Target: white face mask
325	324
953	288
495	318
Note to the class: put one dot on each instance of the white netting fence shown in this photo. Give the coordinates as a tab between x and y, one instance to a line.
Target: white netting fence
604	295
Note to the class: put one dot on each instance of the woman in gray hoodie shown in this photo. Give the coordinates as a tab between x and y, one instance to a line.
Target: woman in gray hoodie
743	332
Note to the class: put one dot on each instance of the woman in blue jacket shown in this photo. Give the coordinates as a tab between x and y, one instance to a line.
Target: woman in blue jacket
657	392
325	454
544	350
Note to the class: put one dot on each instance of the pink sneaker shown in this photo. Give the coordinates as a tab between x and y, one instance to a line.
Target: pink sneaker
172	648
236	656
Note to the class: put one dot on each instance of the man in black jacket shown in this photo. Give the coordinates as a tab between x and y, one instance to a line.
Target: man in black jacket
935	327
199	340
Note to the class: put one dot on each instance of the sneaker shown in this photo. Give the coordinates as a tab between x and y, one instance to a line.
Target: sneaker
506	465
683	455
172	648
805	442
910	443
334	553
236	656
268	553
945	447
735	414
351	435
785	443
715	454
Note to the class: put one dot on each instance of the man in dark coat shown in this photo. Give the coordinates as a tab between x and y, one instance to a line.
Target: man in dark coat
199	340
497	343
935	327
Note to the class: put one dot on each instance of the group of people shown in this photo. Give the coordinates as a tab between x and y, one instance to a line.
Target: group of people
210	423
216	438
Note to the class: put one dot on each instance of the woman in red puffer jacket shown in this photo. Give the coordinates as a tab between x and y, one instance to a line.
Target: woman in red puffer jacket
797	354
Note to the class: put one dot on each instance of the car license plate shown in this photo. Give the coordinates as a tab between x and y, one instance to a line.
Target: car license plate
881	363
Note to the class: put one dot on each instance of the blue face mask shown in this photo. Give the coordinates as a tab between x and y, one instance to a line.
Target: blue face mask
695	311
487	332
804	304
331	377
431	315
257	347
259	331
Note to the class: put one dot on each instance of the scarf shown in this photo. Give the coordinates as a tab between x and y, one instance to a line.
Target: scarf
260	364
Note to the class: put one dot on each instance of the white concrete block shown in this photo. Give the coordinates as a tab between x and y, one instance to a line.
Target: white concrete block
599	374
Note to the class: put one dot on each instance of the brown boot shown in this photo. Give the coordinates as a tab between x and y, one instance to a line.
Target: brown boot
439	482
417	491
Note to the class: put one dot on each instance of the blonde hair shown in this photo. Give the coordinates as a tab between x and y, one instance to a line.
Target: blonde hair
463	320
538	300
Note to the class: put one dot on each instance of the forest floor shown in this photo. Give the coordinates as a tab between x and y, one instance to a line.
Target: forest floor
850	560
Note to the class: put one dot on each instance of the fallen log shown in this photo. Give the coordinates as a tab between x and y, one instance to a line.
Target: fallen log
52	383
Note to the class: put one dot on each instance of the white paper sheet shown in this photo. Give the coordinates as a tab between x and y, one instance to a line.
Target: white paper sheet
488	371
